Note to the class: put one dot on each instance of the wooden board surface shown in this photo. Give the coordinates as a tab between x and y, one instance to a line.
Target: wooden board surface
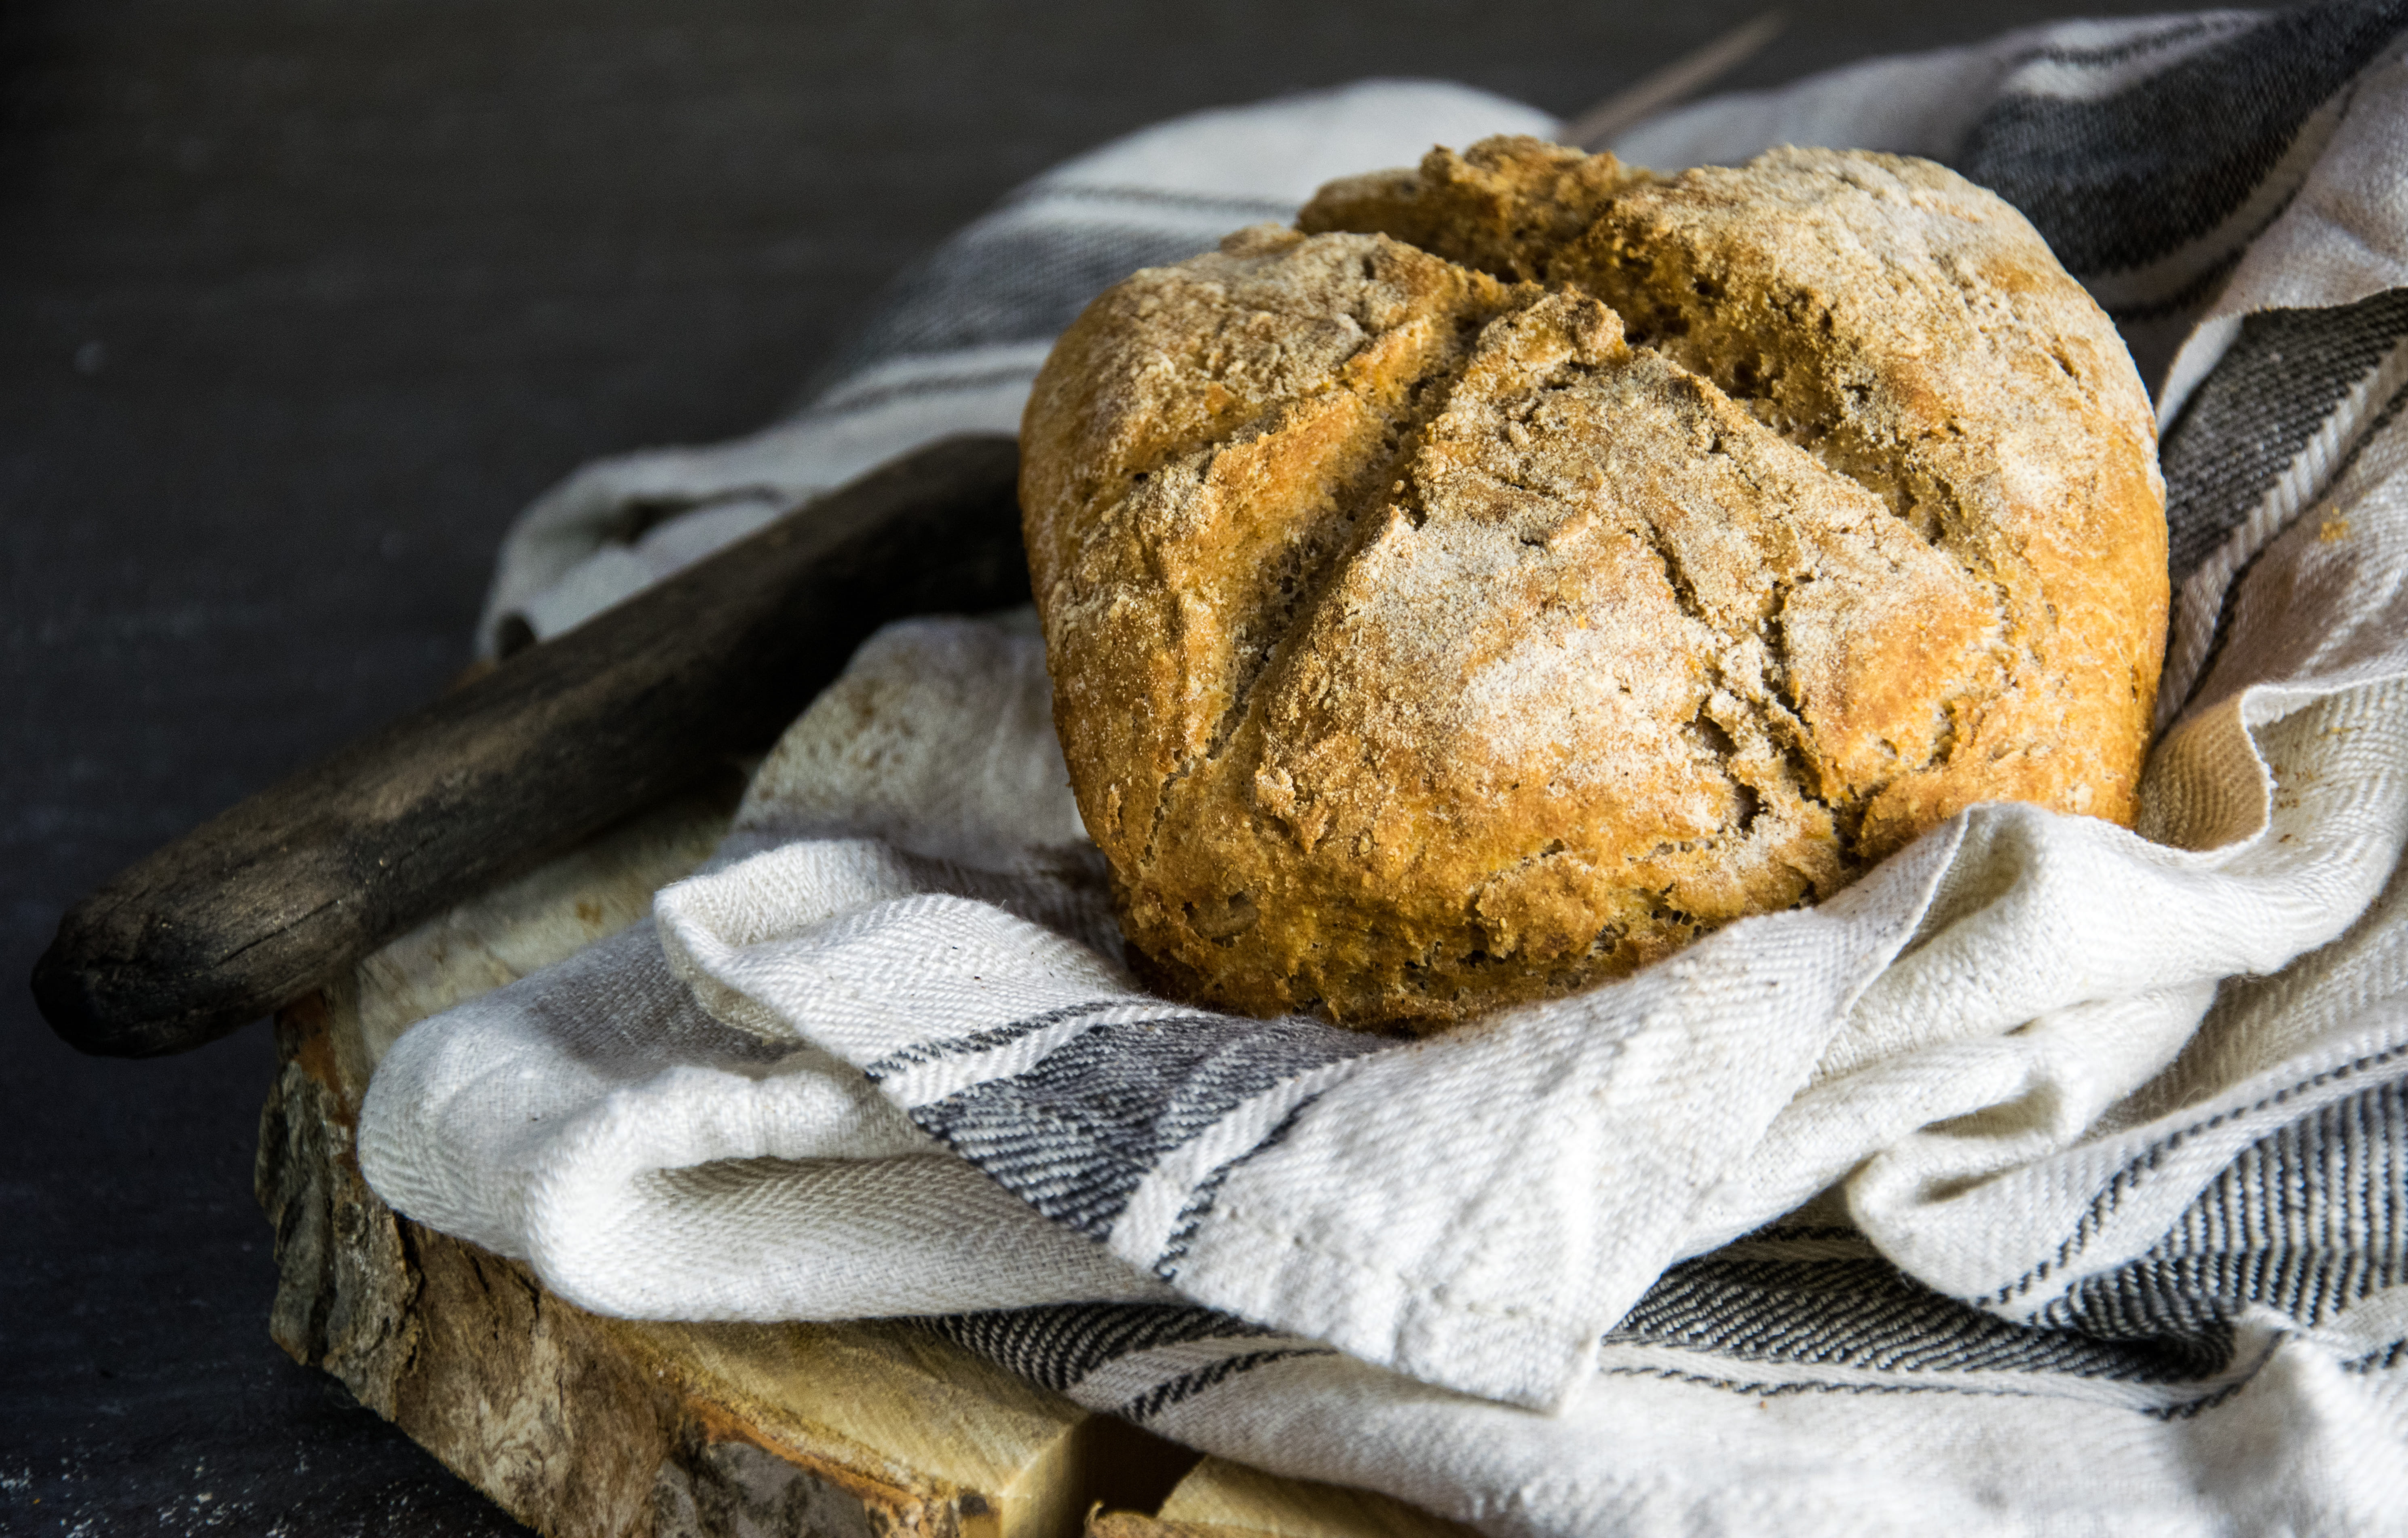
1220	1496
580	1425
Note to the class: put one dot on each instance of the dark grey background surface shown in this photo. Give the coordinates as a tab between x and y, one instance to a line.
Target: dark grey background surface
299	302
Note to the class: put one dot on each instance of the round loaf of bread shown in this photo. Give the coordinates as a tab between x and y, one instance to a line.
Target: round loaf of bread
1529	564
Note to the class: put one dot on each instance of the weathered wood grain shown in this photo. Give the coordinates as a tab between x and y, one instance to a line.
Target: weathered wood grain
1130	1524
585	1427
1224	1497
274	896
582	1425
1219	1498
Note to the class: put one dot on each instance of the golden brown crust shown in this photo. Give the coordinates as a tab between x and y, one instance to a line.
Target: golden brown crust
1504	207
1544	563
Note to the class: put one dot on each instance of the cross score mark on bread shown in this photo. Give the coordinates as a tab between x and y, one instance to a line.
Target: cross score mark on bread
1530	563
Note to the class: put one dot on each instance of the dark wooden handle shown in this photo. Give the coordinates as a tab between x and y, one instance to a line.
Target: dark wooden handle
263	902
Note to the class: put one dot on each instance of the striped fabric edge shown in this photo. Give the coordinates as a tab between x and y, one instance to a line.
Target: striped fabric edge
2327	417
2299	1097
1776	1379
1120	1116
2151	164
2305	1222
2201	130
1134	1360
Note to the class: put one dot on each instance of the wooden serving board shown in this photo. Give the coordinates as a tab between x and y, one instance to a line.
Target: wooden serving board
584	1426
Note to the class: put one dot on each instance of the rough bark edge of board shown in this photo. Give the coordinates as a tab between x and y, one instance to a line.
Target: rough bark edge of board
582	1424
561	1416
553	1413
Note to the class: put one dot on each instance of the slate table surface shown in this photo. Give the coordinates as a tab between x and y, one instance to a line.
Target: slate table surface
299	302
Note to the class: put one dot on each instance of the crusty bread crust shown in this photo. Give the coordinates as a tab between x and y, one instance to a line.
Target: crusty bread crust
1530	564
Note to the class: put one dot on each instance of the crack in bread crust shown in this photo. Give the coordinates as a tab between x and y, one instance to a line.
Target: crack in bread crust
1530	564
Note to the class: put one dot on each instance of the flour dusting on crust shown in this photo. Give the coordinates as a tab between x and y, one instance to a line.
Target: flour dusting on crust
1529	564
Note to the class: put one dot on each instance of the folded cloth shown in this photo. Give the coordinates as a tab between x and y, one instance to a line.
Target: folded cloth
2053	1178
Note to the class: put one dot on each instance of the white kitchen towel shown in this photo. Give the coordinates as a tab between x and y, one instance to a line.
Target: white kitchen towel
2055	1178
